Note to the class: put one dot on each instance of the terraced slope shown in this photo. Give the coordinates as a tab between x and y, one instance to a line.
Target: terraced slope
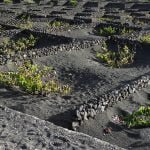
84	44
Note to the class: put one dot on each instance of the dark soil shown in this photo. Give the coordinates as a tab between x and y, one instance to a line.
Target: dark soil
69	52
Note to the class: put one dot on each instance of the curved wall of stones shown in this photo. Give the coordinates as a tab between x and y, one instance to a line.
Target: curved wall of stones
91	108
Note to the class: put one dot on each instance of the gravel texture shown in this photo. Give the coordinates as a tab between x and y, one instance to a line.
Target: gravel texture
71	50
19	131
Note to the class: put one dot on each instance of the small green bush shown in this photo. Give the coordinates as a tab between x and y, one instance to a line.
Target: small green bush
145	38
125	31
104	19
8	1
121	57
139	118
25	23
32	79
73	3
57	24
108	31
8	46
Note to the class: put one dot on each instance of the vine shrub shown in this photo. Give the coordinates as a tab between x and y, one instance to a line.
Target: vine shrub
116	59
34	80
139	118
